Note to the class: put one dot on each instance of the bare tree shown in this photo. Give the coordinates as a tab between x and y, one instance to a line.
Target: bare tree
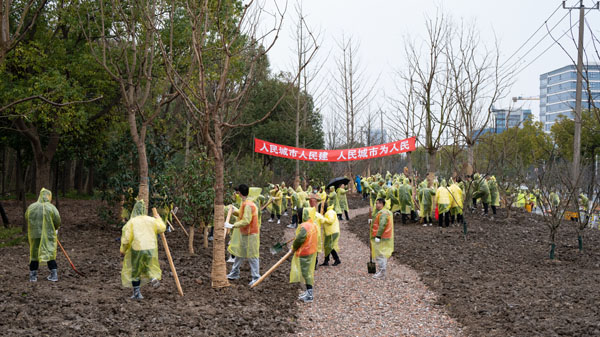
351	92
478	84
227	45
432	82
308	81
406	120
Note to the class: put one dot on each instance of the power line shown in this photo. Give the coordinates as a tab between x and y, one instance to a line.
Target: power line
532	35
516	63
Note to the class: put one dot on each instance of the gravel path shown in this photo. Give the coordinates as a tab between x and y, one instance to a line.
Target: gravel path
349	302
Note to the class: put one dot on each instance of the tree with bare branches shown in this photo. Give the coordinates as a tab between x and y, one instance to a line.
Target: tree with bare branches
227	43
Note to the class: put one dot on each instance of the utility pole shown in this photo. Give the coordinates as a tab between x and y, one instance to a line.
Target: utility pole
578	95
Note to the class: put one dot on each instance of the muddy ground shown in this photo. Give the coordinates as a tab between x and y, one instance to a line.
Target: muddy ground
98	304
499	281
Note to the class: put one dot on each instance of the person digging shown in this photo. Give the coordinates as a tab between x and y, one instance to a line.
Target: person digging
139	247
245	238
305	253
43	221
382	237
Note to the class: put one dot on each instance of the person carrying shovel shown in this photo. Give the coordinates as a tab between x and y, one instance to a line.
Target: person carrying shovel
305	253
43	221
140	250
245	238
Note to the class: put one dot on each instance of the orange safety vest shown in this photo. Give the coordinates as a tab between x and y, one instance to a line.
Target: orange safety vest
309	246
387	232
252	227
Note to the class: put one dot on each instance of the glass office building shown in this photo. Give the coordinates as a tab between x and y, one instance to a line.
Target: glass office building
557	92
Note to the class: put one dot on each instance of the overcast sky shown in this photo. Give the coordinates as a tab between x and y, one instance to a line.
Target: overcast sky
382	25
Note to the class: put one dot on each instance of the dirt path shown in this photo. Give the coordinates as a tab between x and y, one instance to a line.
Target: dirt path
349	302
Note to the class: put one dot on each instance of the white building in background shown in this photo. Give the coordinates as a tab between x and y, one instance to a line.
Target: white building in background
557	92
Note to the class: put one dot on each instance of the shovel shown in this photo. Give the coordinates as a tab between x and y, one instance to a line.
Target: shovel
278	247
68	259
371	265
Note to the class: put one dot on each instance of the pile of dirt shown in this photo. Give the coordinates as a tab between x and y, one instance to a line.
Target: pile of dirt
98	304
499	280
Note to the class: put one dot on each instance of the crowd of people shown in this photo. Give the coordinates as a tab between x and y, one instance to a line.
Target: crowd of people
316	215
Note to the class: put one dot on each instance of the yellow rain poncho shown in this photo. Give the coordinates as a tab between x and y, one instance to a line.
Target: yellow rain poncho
382	226
456	199
140	247
42	222
305	251
331	229
245	238
333	200
442	198
342	199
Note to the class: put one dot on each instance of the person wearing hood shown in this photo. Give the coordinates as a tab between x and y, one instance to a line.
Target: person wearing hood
331	229
382	237
333	200
139	247
296	207
482	191
343	200
305	246
276	204
494	193
456	202
43	222
425	196
245	238
442	200
406	203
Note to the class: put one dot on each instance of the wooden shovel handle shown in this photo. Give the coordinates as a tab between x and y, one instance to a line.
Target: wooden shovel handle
168	252
272	269
179	222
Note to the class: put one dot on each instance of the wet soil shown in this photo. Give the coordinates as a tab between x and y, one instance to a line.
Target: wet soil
499	280
98	304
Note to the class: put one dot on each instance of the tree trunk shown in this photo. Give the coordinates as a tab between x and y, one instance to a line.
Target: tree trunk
79	176
90	182
219	268
191	240
409	163
3	173
432	163
470	160
42	172
21	190
4	217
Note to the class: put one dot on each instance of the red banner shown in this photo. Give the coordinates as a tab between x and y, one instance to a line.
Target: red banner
361	153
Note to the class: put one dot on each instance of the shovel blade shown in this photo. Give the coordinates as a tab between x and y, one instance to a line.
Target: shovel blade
276	248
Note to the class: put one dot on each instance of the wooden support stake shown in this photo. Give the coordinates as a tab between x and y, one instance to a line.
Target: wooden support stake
272	269
164	241
179	222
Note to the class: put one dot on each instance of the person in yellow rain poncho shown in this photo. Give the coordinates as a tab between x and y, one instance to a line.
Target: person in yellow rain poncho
43	221
140	250
456	202
302	197
382	237
245	238
442	200
426	195
277	197
494	193
331	229
333	200
305	252
343	200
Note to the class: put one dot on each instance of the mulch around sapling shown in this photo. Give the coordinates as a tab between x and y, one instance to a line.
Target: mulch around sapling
499	281
98	304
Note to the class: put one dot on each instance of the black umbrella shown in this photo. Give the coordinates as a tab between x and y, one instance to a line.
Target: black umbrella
336	182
